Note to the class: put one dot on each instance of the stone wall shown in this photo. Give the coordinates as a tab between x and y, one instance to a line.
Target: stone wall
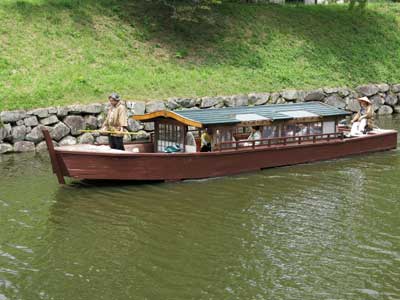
21	131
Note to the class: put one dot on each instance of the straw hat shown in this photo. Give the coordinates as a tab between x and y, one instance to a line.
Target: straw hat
115	96
365	99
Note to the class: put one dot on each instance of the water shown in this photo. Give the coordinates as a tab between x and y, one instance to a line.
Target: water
328	230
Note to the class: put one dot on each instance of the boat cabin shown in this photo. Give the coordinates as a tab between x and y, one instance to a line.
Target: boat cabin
180	131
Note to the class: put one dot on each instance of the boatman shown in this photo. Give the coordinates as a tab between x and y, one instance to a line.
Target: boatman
117	120
363	120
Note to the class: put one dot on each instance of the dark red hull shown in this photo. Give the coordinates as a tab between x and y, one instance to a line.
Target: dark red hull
179	166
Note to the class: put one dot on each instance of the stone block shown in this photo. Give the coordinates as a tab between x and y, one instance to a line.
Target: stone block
330	90
391	99
62	111
18	133
395	88
67	141
171	103
36	134
377	101
86	138
31	121
90	122
134	125
186	102
42	146
240	100
52	111
352	104
6	148
258	98
94	108
12	116
290	95
207	102
274	97
368	90
197	102
280	101
336	101
49	120
24	146
102	139
100	120
75	123
139	107
385	110
59	131
343	92
5	132
383	87
75	109
149	126
153	106
314	95
40	112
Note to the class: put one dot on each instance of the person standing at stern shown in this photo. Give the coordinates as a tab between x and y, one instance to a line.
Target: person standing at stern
117	120
363	120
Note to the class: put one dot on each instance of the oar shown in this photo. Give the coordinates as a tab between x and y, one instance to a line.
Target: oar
109	132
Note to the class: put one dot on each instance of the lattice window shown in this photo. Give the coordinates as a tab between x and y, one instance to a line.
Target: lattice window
169	135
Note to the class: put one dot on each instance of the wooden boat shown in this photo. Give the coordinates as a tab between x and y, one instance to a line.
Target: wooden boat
291	134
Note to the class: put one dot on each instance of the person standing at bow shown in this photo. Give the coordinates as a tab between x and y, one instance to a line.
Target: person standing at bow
117	120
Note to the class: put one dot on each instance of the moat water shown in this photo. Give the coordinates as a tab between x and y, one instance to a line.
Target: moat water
327	230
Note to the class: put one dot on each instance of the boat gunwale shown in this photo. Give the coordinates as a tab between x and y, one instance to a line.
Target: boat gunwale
240	150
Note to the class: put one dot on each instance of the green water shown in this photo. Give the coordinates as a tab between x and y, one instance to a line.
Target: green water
328	230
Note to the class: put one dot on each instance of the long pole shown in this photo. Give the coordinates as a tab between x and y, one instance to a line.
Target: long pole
109	132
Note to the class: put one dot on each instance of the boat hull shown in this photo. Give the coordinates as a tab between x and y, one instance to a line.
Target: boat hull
180	166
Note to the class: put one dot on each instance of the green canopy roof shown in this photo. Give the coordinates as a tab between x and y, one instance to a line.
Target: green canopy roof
272	112
235	115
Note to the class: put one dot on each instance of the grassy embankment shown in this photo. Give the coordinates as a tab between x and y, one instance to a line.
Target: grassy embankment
57	52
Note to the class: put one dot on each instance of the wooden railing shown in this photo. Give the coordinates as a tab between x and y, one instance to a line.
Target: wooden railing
278	141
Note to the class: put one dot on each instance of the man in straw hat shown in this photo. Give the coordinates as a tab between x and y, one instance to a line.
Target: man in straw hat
116	120
363	119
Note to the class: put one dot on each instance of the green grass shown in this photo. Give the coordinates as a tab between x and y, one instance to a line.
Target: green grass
57	52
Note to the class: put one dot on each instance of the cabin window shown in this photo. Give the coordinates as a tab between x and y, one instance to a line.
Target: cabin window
316	128
302	129
223	135
169	135
269	132
289	130
328	127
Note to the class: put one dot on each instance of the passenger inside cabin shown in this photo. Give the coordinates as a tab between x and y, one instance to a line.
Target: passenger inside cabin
301	129
255	134
363	120
205	140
